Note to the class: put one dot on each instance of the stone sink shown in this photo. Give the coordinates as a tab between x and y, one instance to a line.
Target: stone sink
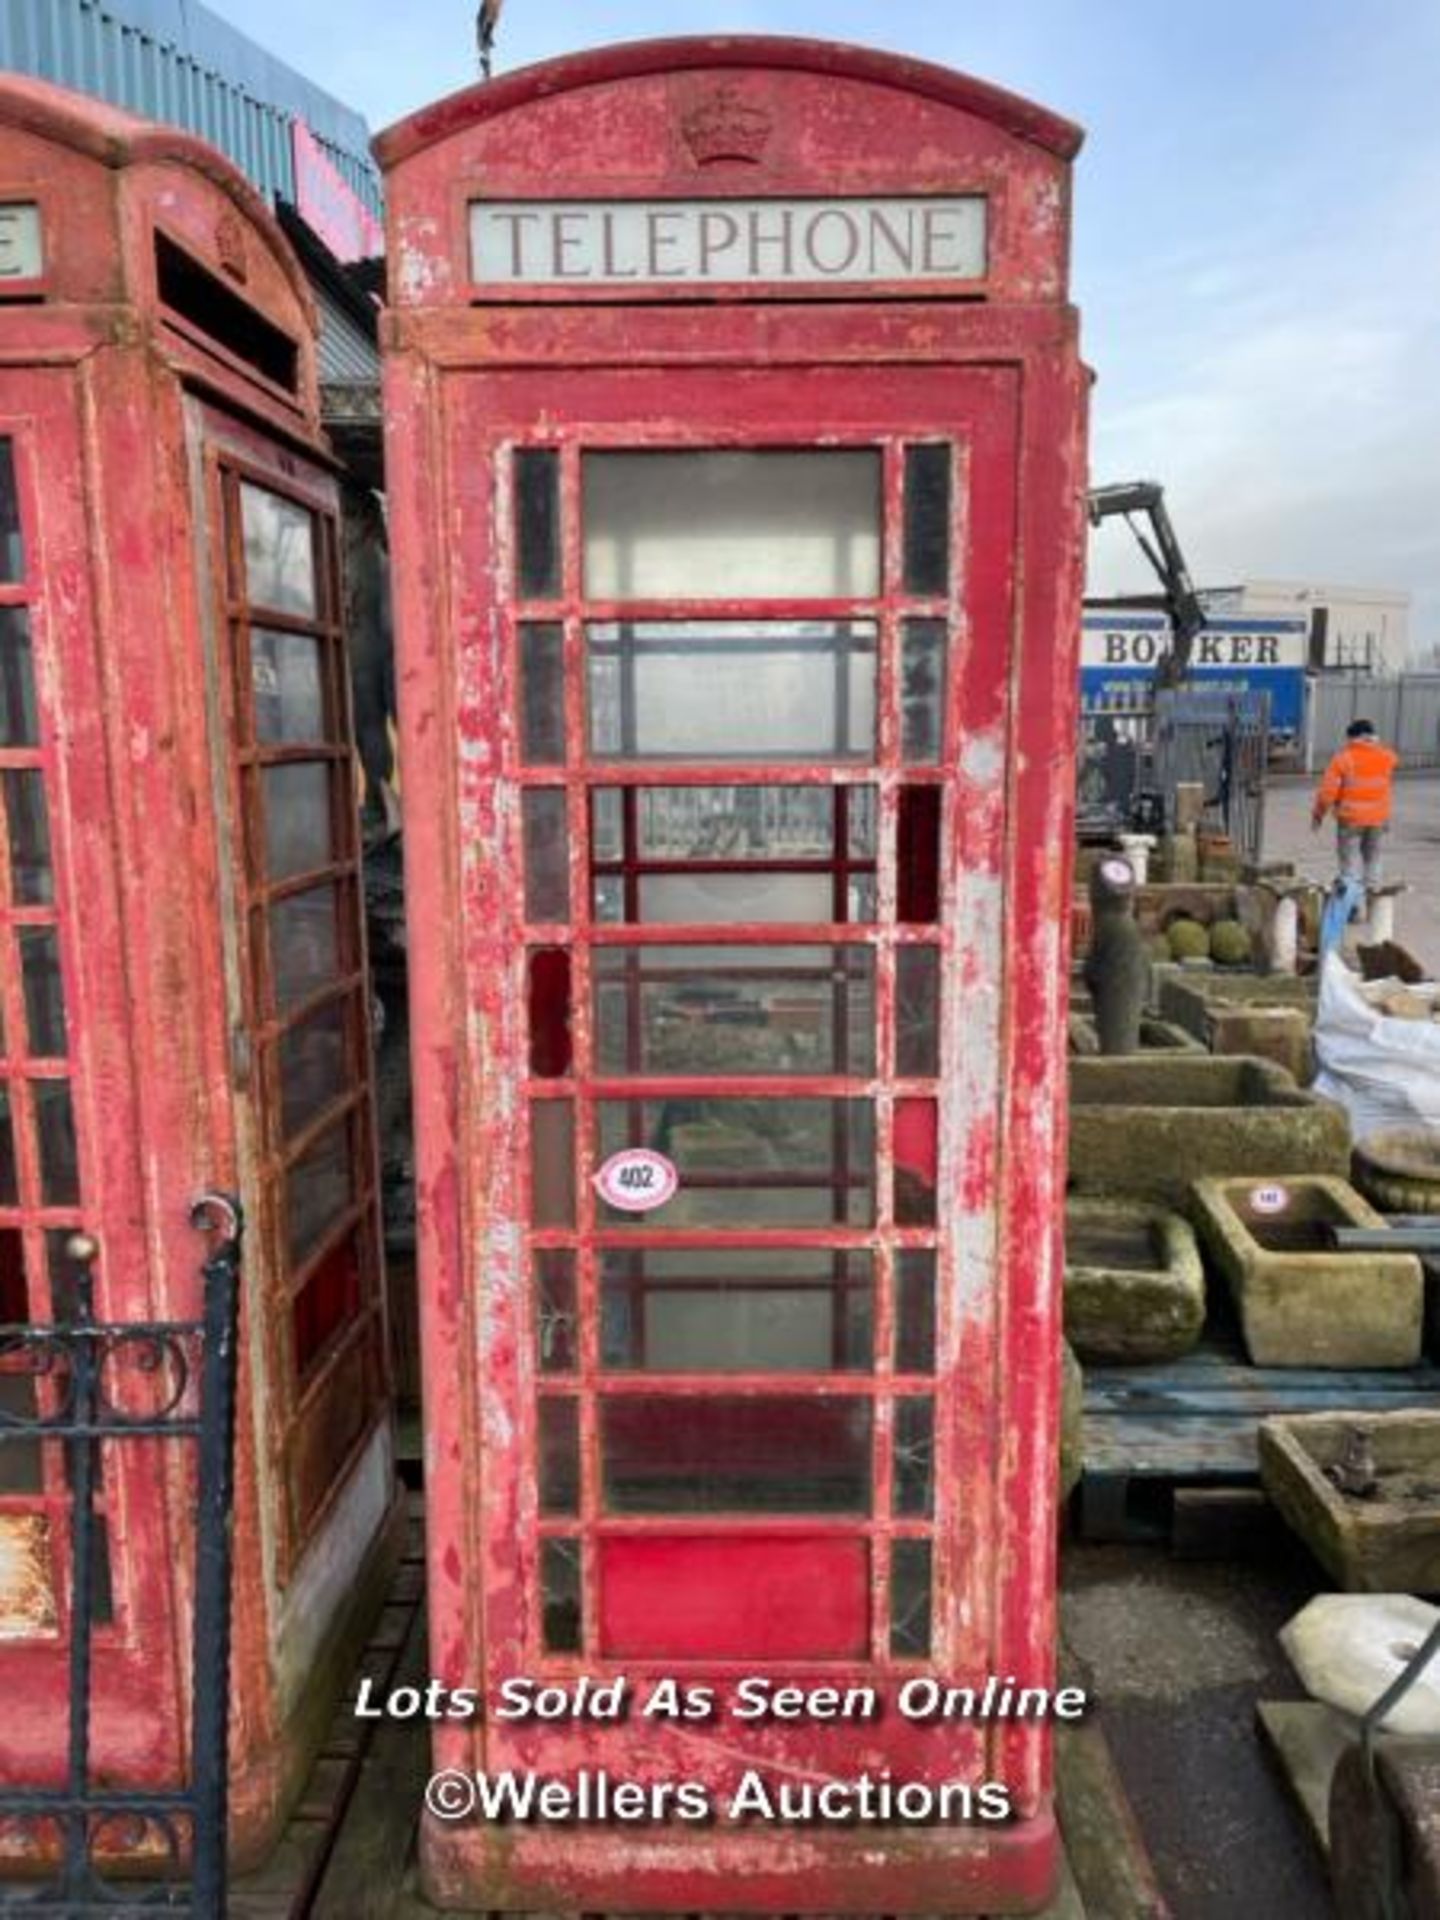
1301	1303
1134	1285
1386	1544
1149	1125
1267	1015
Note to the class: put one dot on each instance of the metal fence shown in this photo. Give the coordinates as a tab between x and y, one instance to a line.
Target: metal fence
1404	707
1220	742
90	1368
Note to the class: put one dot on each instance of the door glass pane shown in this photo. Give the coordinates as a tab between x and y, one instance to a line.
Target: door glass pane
559	1455
279	552
917	856
21	1470
555	1309
547	854
14	1286
55	1136
917	1011
328	1301
9	1173
560	1589
287	671
735	824
731	899
44	992
917	1147
927	519
915	1457
712	525
549	1008
18	724
542	693
732	689
915	1310
304	943
320	1186
537	522
735	1010
738	1454
922	691
12	552
313	1066
298	836
910	1599
751	1163
32	879
771	1310
552	1163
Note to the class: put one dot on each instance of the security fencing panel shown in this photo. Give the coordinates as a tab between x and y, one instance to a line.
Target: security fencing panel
1404	707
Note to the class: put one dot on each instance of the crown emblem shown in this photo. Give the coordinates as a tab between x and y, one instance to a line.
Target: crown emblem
724	126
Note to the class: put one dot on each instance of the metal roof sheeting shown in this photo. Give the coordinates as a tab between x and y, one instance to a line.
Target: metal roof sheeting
174	60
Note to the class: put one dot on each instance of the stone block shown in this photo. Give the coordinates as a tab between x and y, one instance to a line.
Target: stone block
1269	1016
1134	1283
1148	1125
1387	1544
1302	1303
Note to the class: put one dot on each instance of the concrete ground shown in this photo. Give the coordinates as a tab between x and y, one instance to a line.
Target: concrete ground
1412	852
1175	1654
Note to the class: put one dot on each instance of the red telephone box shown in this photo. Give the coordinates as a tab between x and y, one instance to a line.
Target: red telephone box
182	996
736	460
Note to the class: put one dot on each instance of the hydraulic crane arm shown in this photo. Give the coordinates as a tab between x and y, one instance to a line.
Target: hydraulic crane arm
1162	550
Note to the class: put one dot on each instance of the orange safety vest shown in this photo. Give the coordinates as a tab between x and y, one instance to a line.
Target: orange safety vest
1357	784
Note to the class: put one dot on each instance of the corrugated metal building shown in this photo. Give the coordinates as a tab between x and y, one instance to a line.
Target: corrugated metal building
176	61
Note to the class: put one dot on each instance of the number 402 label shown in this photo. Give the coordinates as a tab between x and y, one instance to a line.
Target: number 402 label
636	1179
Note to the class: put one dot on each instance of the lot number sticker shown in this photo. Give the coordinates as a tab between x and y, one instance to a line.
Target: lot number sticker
1269	1199
635	1180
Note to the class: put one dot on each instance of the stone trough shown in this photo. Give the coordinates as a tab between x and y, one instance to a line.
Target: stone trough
1269	1016
1302	1303
1155	1035
1389	1543
1149	1126
1134	1284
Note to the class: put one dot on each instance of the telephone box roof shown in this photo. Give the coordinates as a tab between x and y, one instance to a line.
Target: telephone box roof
633	59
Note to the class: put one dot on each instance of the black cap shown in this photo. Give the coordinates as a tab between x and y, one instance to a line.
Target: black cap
1360	730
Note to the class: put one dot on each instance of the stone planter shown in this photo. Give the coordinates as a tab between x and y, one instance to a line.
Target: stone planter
1155	1035
1389	1544
1149	1126
1301	1303
1269	1016
1399	1170
1134	1285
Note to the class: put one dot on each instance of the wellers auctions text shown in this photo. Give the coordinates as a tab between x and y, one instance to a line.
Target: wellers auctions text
600	1798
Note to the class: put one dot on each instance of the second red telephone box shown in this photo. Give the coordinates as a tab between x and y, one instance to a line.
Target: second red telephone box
735	439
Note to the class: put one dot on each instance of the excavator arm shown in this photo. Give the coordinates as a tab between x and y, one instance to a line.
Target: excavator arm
1161	548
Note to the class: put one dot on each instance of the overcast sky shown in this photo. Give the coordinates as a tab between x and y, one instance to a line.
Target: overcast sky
1257	234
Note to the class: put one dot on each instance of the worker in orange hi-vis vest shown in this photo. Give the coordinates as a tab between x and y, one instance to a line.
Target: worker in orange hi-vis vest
1357	787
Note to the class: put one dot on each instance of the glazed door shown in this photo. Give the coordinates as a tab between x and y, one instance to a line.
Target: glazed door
745	1021
299	1013
70	1138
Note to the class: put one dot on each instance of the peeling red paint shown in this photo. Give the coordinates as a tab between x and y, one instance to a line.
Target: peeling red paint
472	374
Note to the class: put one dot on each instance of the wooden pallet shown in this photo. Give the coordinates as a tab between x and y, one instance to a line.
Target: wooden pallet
1193	1422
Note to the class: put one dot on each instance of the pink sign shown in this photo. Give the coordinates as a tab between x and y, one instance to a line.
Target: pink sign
332	208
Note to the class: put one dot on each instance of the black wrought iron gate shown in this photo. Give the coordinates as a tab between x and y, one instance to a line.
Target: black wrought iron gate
193	1364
